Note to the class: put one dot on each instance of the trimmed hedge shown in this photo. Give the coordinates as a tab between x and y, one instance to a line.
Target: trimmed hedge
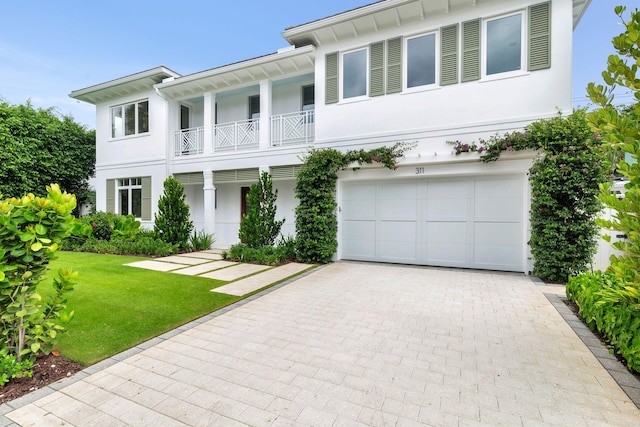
612	307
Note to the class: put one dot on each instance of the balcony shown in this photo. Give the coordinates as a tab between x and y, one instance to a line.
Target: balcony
293	128
286	130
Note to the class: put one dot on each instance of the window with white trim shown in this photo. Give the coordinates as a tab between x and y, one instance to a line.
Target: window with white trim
421	60
503	44
130	196
130	119
354	74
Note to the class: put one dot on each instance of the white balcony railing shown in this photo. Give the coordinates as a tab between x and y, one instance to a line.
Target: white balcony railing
293	128
188	142
236	135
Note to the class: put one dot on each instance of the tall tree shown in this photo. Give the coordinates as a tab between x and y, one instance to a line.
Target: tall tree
39	147
258	227
621	131
172	221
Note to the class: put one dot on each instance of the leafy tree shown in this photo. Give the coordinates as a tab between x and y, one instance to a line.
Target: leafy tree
39	147
258	227
621	131
31	230
172	221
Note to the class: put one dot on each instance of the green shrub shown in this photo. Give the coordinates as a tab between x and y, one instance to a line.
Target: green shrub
200	241
101	224
31	230
258	227
612	307
11	368
172	223
143	243
266	255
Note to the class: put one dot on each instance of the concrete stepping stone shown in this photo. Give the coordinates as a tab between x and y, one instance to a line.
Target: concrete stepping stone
179	259
155	265
258	281
203	255
235	272
204	268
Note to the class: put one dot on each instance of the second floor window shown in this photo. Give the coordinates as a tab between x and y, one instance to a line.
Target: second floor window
421	61
354	72
504	44
130	119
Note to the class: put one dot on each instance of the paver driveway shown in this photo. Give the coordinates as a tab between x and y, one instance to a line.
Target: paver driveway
360	344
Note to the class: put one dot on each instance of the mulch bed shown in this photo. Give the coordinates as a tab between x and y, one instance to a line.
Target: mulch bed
46	370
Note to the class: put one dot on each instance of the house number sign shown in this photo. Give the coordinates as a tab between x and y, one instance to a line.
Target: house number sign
420	171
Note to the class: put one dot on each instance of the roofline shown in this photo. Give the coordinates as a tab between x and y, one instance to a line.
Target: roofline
290	32
235	66
578	18
76	94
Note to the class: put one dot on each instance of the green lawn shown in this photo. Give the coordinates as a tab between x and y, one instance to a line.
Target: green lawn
117	307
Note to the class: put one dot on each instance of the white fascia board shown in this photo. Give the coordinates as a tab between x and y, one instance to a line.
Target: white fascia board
237	66
83	94
305	29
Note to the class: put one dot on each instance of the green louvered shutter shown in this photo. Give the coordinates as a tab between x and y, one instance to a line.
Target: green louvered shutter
539	36
146	198
331	78
394	65
376	69
111	195
471	50
449	55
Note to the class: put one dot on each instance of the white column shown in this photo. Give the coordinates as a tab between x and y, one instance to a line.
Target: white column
209	203
209	121
265	114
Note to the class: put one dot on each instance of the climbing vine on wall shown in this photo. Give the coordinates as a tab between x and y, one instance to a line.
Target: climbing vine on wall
316	221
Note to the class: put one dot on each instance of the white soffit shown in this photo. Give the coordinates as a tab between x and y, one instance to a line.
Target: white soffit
123	86
283	64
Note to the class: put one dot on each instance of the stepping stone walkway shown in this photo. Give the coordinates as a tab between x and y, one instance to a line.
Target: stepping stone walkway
209	264
258	281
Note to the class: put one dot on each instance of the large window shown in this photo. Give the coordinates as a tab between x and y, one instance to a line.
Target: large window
130	119
421	60
354	72
130	196
503	47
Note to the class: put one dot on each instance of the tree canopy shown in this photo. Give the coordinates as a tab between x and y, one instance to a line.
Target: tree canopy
39	147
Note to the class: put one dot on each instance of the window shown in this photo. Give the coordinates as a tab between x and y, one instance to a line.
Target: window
185	115
254	107
503	47
421	61
308	97
130	196
130	119
354	72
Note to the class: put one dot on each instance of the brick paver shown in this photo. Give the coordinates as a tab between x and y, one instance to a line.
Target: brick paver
360	344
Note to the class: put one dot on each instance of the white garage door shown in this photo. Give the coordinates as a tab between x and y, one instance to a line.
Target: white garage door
467	222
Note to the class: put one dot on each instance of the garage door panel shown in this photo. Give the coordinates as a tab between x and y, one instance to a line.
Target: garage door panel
498	245
359	240
488	188
359	210
498	209
363	230
359	192
446	243
447	208
450	189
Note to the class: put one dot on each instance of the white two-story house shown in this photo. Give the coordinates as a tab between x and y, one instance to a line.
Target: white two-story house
423	71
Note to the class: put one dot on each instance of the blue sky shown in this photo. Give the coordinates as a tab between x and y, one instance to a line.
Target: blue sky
49	48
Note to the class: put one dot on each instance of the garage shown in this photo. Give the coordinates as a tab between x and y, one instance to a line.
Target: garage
470	222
